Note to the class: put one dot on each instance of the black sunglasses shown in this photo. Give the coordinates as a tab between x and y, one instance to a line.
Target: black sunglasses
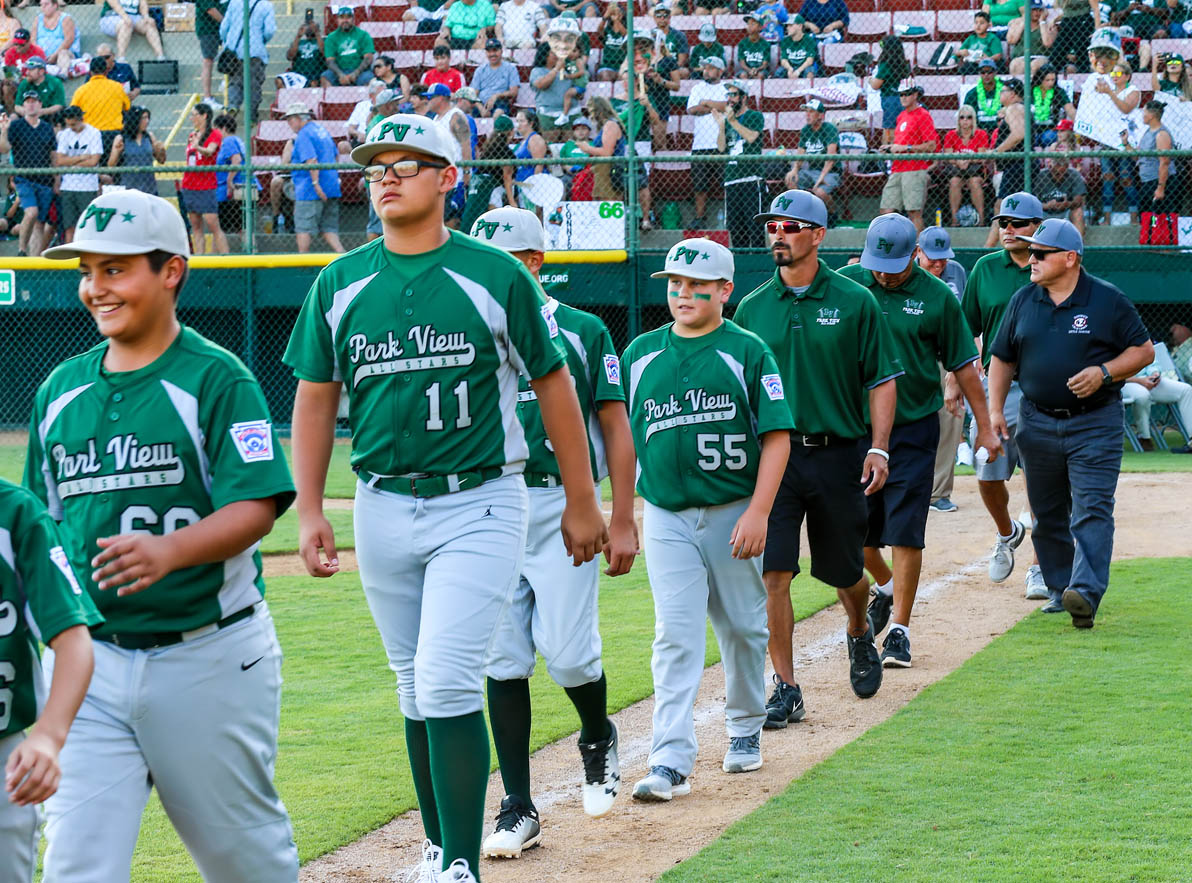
403	168
789	226
1016	223
1041	254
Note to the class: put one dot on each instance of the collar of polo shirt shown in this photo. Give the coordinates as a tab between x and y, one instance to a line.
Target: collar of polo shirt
815	290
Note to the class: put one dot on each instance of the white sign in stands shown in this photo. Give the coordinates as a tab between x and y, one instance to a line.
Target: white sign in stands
1177	117
576	226
1099	119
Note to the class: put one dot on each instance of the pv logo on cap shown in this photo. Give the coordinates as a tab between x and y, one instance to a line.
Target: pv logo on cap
784	202
940	243
1013	204
884	244
487	229
102	216
689	255
399	130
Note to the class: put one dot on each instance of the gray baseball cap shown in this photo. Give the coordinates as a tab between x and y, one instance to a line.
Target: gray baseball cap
707	32
697	259
936	244
510	229
1057	233
125	222
404	131
1021	206
798	205
889	244
713	61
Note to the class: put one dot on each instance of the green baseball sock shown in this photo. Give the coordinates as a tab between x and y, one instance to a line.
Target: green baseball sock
509	715
419	753
459	763
591	701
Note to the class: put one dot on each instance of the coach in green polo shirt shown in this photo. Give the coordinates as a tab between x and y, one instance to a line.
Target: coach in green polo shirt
991	284
834	353
927	327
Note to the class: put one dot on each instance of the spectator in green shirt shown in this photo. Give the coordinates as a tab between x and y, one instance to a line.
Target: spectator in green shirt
305	54
818	138
468	24
753	53
349	52
53	95
707	47
798	53
980	44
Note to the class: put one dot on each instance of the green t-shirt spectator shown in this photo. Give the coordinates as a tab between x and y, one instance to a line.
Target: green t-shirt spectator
676	42
50	89
1001	14
753	54
796	54
815	142
989	45
348	48
889	81
614	47
466	20
205	24
736	145
702	51
309	60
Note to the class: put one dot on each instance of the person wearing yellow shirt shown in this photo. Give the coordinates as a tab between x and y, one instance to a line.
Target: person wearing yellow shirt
103	102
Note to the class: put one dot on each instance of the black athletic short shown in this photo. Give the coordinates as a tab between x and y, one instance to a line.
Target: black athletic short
823	484
898	512
706	176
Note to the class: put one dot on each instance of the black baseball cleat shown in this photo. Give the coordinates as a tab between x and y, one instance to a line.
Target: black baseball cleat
896	650
864	665
785	705
1080	608
880	606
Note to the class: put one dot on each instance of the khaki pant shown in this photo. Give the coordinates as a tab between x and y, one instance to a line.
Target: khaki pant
951	433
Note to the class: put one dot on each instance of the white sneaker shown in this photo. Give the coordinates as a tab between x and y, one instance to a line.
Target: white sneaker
1028	519
663	783
517	829
964	454
427	871
561	119
1036	589
602	774
1001	563
744	754
457	872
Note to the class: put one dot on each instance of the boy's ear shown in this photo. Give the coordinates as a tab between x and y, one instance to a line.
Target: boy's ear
726	292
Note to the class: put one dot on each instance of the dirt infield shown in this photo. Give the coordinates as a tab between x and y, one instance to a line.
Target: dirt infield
959	611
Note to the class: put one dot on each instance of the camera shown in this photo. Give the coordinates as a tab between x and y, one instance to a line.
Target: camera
310	16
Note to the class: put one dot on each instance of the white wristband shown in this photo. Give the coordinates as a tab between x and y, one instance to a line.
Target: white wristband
885	455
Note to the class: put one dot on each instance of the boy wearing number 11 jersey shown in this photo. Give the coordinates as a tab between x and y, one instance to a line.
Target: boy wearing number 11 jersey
711	427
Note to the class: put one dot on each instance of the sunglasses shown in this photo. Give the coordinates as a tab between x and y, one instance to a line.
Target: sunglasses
405	168
1117	74
1016	223
1041	254
789	226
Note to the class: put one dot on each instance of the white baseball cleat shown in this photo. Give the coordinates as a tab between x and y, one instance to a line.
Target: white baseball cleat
663	783
427	870
457	872
517	830
602	774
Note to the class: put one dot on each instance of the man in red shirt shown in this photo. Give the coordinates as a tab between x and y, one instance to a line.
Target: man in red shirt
906	187
443	72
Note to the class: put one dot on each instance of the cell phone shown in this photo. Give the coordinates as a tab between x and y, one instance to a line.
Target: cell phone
310	16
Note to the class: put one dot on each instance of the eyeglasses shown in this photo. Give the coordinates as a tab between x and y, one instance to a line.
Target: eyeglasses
1016	223
789	226
1041	254
404	168
1117	74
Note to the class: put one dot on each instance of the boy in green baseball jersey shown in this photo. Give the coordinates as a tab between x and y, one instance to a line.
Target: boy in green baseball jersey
156	452
554	607
928	329
429	330
712	430
40	600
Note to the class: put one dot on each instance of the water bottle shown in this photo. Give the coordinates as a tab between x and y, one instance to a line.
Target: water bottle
981	457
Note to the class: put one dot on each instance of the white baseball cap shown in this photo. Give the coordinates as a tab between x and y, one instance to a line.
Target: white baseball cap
697	259
297	108
405	131
125	222
510	229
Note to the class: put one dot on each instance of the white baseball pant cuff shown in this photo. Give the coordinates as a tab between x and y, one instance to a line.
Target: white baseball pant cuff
554	608
693	575
19	828
438	573
197	720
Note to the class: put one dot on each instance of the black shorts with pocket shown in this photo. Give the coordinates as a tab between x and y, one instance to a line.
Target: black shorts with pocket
898	512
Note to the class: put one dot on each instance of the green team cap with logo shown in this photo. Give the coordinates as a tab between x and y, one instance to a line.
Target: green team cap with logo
889	243
697	259
405	131
125	222
510	229
936	244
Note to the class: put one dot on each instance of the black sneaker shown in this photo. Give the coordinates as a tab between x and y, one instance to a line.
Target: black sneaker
1080	608
896	650
785	705
864	665
879	611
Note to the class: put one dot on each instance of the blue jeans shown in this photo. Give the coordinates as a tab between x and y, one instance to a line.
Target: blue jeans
1073	465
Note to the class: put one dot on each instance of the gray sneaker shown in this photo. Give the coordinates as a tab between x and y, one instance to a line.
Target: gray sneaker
663	783
1001	564
744	754
1036	589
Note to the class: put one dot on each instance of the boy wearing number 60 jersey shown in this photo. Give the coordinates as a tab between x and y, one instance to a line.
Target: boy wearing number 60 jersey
711	427
155	451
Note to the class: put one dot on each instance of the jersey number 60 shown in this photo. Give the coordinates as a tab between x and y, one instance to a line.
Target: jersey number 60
8	671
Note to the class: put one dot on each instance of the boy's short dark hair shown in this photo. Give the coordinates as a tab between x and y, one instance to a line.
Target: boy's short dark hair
158	259
225	121
72	112
981	13
441	50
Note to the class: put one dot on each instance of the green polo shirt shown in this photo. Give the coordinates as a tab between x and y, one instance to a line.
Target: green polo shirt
925	321
50	89
991	284
831	344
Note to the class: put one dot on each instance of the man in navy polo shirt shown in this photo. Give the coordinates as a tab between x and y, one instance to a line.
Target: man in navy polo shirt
1072	339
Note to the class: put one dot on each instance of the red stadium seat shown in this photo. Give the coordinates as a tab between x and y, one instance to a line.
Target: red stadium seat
526	96
940	92
942	5
338	101
954	24
855	6
925	20
944	120
409	38
384	34
924	51
524	59
779	94
865	27
408	62
271	136
329	21
790	123
387	10
770	128
670	180
730	29
903	5
836	55
337	129
721	236
312	97
689	25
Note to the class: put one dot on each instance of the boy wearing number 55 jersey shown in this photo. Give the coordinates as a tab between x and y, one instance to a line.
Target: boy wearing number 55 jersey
711	427
156	453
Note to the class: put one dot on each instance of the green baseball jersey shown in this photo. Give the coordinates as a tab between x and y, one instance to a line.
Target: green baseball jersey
152	451
796	53
40	597
753	53
815	142
596	371
832	345
698	407
928	328
991	284
430	347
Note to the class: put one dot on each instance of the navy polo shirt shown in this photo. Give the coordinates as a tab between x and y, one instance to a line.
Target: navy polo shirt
1052	342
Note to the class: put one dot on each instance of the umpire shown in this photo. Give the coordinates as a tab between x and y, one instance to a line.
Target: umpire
1072	339
835	355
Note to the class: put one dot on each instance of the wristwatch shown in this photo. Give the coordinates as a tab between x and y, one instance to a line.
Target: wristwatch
1106	377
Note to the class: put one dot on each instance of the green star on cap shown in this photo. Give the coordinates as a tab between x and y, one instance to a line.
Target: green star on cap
705	255
127	217
508	228
419	130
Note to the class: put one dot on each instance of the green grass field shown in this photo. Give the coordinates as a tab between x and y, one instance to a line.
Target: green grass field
1051	755
341	766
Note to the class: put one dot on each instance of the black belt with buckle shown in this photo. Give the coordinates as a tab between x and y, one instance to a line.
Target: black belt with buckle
153	640
820	441
1065	413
